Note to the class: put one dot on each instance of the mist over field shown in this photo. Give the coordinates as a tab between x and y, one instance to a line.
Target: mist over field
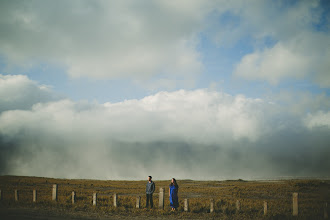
194	89
199	134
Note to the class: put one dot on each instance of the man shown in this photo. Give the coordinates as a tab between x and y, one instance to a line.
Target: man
150	189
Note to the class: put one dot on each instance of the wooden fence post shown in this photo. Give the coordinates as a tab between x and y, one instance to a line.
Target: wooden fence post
54	195
0	195
211	205
34	195
73	197
295	204
265	208
186	205
115	199
161	198
138	199
16	195
326	211
94	199
238	205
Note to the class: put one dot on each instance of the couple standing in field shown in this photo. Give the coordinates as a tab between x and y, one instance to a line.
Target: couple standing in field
173	193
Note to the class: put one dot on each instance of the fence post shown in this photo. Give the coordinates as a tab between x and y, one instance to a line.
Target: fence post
0	195
73	197
326	211
94	199
295	204
54	195
138	199
265	208
115	199
34	195
161	198
211	205
16	195
238	205
186	205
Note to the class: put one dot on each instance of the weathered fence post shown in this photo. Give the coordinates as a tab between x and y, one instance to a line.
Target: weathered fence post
138	199
34	195
54	195
295	204
265	208
186	205
238	205
94	199
16	195
326	211
211	205
161	198
0	195
115	199
73	197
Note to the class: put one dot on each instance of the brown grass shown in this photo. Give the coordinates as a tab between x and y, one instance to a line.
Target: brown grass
313	194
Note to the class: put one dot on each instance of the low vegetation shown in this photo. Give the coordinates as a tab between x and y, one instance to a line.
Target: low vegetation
313	195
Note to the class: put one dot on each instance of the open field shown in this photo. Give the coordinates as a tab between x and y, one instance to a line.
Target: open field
313	195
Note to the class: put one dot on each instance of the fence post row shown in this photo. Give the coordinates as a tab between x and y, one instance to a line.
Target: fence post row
295	204
161	201
54	195
161	198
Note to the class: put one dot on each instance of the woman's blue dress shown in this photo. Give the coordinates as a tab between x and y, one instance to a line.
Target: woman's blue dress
174	200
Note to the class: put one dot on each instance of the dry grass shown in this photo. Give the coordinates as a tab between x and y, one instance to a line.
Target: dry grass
313	194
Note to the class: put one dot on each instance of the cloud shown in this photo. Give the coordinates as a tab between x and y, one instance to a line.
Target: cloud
306	59
217	117
19	92
199	134
273	65
141	40
297	49
101	39
318	119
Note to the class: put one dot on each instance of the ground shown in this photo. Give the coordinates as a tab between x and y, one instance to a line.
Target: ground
313	197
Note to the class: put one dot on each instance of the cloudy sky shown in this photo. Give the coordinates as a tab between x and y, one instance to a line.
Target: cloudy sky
188	89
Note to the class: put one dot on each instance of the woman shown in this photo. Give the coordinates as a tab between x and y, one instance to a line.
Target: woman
173	193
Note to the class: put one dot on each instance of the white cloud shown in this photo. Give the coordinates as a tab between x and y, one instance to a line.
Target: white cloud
199	116
19	92
192	132
140	40
104	39
192	116
68	134
274	64
303	57
318	119
297	50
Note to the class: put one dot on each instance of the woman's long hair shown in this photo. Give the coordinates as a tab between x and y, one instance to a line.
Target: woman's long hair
175	184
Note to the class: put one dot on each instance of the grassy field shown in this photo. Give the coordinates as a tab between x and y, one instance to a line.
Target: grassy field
313	195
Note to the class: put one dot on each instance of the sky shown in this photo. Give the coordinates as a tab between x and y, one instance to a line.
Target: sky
191	89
